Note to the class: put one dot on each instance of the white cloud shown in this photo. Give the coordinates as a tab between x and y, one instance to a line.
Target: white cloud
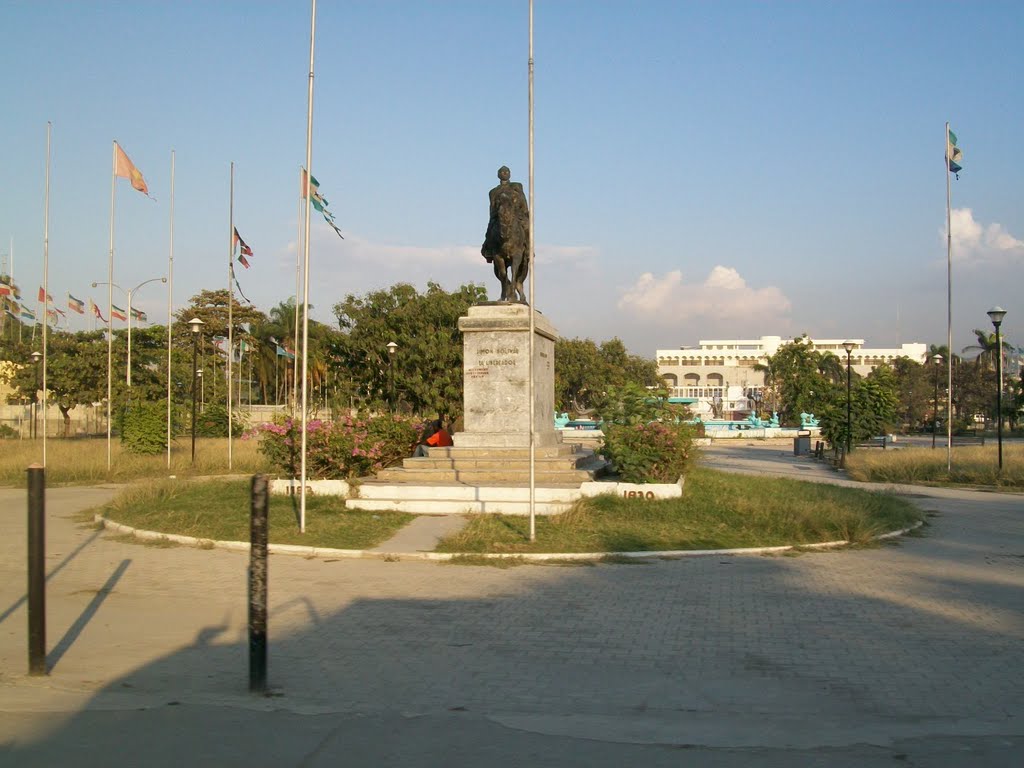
974	241
724	295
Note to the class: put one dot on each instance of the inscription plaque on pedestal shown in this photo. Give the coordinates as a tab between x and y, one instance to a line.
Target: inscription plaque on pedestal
496	406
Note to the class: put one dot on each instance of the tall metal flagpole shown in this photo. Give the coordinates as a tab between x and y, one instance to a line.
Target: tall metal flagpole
532	306
231	297
949	315
110	292
305	268
298	270
46	275
170	307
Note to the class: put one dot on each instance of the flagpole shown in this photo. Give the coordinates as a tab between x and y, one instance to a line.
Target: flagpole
303	194
46	274
949	314
170	307
110	293
305	265
231	296
532	307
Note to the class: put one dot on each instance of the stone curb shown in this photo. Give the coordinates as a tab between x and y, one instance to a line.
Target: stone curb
313	552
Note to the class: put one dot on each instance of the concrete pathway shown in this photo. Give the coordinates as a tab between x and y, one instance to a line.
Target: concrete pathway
423	533
905	654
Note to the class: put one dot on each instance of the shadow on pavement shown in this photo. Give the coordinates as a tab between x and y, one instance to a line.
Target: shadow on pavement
86	616
842	659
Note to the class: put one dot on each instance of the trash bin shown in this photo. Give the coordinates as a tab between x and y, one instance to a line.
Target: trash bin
802	443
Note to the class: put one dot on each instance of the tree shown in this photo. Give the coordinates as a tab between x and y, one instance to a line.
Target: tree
585	372
802	379
988	359
915	385
873	408
212	308
427	367
76	370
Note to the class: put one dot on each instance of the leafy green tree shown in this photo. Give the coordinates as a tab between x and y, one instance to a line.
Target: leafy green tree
874	404
427	367
585	372
632	403
76	370
802	378
914	391
212	308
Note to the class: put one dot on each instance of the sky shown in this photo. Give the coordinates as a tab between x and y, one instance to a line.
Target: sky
702	170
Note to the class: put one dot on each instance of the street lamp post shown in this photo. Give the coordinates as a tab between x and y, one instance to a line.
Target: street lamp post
392	349
937	360
128	293
848	346
196	325
36	357
996	315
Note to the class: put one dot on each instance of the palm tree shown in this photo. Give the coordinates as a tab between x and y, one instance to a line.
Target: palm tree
831	367
986	349
935	350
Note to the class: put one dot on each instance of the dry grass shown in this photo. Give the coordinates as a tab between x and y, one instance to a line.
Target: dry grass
83	461
717	511
218	510
975	465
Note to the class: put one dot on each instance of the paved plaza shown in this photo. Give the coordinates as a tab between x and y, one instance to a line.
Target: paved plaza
909	653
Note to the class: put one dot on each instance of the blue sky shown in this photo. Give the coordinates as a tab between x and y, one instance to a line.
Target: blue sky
702	170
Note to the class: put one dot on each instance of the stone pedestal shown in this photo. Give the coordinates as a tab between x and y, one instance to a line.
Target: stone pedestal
495	367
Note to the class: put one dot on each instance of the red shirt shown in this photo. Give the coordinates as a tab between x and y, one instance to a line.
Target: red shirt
440	439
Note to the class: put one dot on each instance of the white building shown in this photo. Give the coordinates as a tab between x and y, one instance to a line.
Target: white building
720	372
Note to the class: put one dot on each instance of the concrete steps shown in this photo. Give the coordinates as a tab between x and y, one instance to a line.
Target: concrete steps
553	465
484	476
459	480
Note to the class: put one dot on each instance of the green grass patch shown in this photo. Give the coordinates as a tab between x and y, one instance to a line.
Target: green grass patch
717	511
971	466
83	461
219	510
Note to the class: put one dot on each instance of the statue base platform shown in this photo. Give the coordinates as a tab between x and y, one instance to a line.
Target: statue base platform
496	368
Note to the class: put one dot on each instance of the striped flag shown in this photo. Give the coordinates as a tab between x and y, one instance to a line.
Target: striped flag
116	311
8	285
954	156
308	183
44	296
96	310
243	249
76	305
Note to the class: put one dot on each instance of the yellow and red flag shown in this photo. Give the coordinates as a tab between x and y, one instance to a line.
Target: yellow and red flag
126	169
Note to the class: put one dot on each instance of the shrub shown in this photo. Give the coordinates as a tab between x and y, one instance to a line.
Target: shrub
347	448
657	452
144	428
213	422
8	433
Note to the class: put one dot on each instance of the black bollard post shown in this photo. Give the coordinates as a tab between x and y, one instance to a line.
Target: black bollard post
36	570
258	586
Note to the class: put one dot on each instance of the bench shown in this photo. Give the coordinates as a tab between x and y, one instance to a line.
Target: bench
959	440
874	442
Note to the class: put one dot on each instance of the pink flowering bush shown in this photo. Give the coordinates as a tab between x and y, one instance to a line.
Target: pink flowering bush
353	446
657	452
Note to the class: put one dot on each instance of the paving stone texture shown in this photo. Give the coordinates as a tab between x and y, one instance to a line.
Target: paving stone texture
910	653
